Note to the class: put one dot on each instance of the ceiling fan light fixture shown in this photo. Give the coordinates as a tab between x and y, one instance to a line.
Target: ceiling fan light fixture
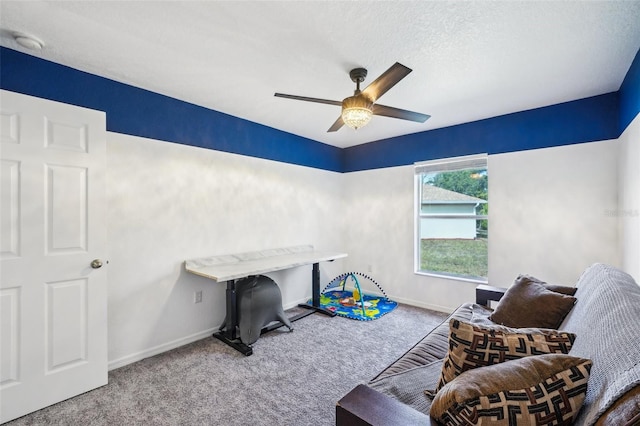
356	111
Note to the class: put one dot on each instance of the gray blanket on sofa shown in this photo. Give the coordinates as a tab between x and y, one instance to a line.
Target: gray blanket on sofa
606	321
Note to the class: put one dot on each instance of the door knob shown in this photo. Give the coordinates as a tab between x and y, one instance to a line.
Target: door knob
96	263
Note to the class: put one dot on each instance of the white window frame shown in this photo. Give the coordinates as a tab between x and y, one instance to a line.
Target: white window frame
442	165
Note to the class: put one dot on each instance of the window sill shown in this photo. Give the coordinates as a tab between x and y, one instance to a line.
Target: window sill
452	277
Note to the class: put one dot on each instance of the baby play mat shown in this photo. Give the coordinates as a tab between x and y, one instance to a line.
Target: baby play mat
353	303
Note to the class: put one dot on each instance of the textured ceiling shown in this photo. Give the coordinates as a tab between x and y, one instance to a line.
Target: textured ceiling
470	60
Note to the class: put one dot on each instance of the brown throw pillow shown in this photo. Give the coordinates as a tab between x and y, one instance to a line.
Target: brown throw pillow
528	303
569	291
538	390
472	346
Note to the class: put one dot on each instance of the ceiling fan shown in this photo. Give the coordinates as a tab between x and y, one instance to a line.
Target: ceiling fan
358	109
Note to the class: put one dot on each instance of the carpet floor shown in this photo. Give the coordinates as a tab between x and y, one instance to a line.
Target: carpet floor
291	379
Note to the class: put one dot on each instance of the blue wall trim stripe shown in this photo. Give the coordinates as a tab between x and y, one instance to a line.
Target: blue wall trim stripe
630	94
585	120
139	112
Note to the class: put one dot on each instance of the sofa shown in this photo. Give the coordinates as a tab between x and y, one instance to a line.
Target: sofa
603	318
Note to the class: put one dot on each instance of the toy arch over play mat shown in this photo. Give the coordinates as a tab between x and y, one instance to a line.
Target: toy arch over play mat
354	303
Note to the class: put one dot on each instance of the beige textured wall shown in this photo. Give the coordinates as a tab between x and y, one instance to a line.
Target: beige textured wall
169	202
628	210
547	217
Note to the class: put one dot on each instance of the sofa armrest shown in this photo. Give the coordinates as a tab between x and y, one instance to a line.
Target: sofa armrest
486	293
364	406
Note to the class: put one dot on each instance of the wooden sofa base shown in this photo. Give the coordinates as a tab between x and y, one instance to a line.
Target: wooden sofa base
364	406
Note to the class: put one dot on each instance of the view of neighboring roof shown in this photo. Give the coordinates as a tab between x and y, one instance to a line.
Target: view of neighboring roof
435	195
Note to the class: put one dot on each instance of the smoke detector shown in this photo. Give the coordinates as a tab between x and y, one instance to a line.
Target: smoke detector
28	41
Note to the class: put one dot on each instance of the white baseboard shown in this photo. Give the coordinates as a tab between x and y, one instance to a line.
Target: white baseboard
295	303
139	356
439	308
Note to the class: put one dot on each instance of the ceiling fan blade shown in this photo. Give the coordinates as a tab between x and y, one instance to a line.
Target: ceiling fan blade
402	114
386	81
337	125
304	98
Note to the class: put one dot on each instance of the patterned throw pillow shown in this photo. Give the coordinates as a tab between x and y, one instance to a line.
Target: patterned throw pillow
472	346
538	390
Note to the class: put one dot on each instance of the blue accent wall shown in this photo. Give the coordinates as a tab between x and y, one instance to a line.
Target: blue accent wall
584	120
139	112
630	94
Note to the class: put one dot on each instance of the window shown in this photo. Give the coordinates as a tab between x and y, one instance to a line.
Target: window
452	206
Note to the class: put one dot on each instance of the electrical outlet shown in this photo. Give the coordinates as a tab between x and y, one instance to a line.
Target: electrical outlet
197	296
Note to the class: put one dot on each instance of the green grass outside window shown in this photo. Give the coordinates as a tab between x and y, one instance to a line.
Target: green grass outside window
454	256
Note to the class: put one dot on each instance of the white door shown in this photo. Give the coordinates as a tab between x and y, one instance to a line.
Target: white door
53	303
